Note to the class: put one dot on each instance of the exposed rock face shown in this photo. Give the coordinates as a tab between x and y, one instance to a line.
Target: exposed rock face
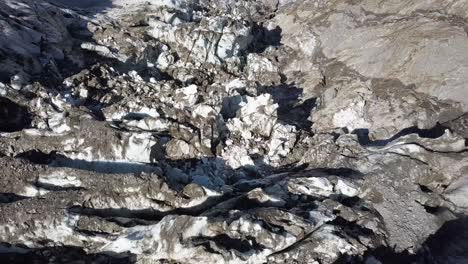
233	131
38	39
416	42
383	106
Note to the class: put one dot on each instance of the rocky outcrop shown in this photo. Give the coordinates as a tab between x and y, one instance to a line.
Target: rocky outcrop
384	107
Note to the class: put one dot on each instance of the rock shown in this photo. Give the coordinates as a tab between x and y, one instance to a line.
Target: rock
256	114
103	51
261	69
179	149
455	193
409	53
35	37
356	105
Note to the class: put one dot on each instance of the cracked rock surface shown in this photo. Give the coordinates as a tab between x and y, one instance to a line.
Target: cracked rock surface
200	131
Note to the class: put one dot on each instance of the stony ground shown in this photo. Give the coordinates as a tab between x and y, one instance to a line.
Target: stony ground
201	131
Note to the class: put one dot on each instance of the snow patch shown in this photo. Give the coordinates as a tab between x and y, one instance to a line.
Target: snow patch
257	114
281	142
32	191
257	64
58	123
237	156
352	117
60	178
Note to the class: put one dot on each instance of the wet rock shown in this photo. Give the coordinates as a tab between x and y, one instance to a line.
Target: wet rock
37	37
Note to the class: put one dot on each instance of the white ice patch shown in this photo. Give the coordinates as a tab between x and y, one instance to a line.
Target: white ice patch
231	39
3	89
138	148
131	241
32	191
132	201
406	149
188	96
198	201
351	117
177	4
235	84
346	189
84	154
60	178
334	246
257	115
204	111
33	132
254	228
257	64
308	44
457	191
196	228
133	148
281	142
160	240
103	51
63	232
18	81
311	186
320	217
262	197
135	76
59	101
83	93
236	157
58	123
165	60
149	124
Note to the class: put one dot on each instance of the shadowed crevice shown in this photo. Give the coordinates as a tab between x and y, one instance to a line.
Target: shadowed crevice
20	254
363	135
13	117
